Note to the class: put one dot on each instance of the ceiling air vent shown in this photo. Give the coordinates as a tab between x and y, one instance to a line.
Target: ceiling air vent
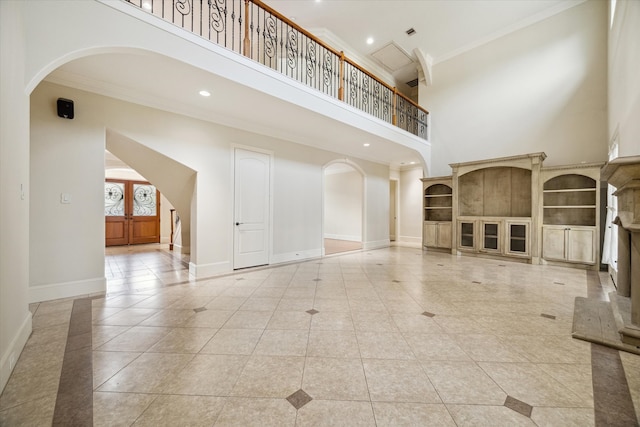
410	31
412	83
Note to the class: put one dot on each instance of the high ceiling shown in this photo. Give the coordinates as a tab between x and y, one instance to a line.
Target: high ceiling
443	28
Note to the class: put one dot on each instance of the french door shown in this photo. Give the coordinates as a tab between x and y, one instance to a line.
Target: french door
131	212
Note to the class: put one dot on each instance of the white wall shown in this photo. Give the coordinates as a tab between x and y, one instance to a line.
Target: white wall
66	240
202	147
343	205
541	88
410	212
15	318
624	78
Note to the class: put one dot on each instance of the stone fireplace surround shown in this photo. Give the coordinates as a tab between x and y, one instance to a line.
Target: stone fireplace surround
624	174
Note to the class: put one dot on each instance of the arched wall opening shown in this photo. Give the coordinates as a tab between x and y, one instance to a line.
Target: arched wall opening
173	179
343	207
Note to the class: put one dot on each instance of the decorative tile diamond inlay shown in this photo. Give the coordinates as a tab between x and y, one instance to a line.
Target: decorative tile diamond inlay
518	406
299	399
440	265
199	309
476	282
426	313
313	311
558	283
395	281
548	316
317	280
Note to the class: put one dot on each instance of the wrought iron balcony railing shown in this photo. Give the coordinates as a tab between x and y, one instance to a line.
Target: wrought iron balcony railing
253	29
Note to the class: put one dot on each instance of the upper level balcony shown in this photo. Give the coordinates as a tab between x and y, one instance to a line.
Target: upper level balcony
257	31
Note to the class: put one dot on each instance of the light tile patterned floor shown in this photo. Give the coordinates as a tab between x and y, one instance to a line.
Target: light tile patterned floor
389	337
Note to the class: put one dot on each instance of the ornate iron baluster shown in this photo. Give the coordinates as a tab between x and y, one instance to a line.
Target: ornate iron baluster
270	37
311	59
292	48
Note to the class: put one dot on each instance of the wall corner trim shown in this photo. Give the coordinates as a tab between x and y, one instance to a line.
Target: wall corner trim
14	349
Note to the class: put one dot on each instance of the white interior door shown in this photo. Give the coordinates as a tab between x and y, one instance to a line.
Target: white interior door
251	210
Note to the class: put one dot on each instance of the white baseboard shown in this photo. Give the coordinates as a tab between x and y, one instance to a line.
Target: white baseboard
296	256
209	270
377	244
12	352
409	241
67	289
181	249
343	237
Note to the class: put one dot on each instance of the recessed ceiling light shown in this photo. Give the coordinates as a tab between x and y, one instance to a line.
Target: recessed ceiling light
366	144
146	5
370	40
204	93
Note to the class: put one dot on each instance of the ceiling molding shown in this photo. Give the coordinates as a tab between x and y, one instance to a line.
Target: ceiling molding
547	13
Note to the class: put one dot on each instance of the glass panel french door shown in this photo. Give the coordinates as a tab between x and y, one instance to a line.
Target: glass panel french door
132	213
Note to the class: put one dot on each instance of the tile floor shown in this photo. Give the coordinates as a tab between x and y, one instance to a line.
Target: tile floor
389	337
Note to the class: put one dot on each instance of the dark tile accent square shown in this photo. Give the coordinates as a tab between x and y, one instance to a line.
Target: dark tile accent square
395	281
426	313
199	309
548	316
299	399
440	265
518	406
558	283
313	311
476	282
378	264
317	280
501	265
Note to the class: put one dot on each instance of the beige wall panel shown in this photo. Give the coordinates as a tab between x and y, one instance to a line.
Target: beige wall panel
521	192
497	191
471	193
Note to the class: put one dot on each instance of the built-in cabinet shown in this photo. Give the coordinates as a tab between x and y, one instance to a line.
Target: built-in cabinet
497	202
437	215
514	207
571	200
497	236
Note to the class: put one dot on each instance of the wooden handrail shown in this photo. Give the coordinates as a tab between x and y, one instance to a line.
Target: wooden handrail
294	25
337	78
340	54
172	222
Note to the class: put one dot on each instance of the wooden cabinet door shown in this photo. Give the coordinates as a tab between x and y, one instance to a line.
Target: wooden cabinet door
430	234
553	243
581	246
444	235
